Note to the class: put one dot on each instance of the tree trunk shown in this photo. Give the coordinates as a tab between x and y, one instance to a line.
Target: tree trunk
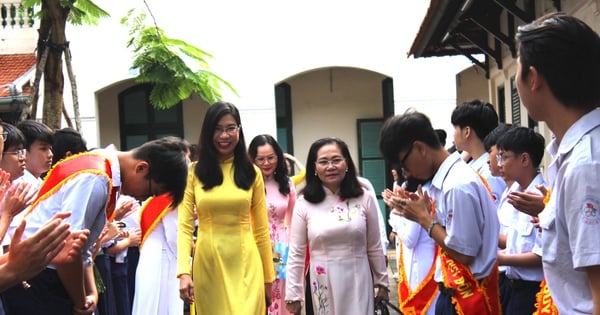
42	56
76	113
54	21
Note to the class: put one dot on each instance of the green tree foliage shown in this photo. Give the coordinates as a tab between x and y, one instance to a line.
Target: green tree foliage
175	68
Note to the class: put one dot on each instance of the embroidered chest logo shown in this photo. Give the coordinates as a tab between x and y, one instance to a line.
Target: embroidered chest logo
589	213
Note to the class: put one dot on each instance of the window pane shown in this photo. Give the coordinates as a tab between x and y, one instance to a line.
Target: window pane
134	107
165	115
133	141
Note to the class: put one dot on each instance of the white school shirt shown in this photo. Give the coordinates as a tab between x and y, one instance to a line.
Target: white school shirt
418	250
523	237
466	210
382	230
505	213
571	219
496	183
85	196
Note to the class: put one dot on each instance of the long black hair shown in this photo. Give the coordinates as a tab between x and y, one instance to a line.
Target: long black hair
208	169
280	173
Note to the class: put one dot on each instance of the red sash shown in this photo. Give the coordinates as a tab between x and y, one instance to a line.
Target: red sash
470	297
544	305
415	302
153	210
72	166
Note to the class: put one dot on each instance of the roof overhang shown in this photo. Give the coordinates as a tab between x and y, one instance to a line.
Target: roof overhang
469	28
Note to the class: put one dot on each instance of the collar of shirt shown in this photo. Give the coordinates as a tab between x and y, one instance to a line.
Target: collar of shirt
442	172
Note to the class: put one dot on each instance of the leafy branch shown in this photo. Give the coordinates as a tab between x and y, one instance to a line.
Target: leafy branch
163	62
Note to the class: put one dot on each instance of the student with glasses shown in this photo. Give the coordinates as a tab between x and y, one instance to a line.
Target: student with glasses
465	225
335	220
87	185
31	254
281	198
232	270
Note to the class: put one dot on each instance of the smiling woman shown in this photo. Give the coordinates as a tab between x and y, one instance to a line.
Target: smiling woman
336	222
226	192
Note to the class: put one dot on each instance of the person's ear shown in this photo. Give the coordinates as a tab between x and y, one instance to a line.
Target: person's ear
534	79
68	153
142	167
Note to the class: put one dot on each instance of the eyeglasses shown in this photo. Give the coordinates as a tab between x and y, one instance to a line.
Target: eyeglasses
263	159
335	162
403	161
501	158
4	136
230	130
21	153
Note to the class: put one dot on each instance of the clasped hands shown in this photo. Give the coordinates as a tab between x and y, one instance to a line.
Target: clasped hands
413	206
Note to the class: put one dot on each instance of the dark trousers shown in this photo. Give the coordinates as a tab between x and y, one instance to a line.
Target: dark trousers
106	299
46	295
133	256
505	291
120	287
308	305
444	305
522	299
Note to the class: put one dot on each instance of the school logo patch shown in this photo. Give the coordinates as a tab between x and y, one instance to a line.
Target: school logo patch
589	211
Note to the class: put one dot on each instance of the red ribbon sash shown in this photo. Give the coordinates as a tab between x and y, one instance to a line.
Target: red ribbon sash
543	301
153	210
415	302
69	168
470	297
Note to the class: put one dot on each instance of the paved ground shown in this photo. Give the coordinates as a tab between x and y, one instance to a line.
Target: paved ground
392	268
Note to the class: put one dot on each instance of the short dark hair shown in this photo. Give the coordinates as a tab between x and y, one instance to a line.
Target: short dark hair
208	169
67	140
492	138
168	164
476	114
14	136
35	130
523	140
314	191
280	173
565	52
441	133
399	132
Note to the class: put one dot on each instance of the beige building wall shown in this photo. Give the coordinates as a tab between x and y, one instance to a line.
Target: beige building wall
333	99
471	84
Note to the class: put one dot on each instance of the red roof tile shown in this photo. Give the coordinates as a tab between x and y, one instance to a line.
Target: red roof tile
13	67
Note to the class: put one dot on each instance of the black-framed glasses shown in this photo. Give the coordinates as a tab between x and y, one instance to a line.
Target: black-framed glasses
20	153
263	159
230	130
4	136
403	161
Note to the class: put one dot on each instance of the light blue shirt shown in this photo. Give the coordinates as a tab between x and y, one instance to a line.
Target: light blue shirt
466	210
523	237
571	219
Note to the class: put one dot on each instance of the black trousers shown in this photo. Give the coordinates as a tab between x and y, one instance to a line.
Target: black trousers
505	291
522	299
444	305
46	295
